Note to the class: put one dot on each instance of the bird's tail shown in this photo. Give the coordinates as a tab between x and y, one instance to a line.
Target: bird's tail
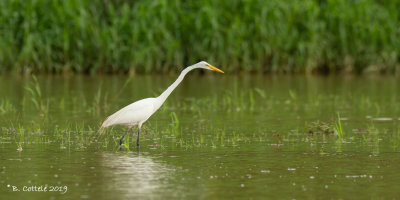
103	126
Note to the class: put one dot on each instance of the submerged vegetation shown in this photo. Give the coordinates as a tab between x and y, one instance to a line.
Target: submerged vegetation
160	36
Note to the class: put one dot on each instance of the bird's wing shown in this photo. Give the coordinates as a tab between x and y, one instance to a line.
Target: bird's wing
131	114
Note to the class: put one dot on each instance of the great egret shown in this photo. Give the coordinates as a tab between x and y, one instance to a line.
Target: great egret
138	112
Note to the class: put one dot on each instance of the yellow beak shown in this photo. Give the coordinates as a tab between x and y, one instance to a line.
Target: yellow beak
214	68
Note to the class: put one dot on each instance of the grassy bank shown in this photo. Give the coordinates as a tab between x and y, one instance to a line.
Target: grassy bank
113	36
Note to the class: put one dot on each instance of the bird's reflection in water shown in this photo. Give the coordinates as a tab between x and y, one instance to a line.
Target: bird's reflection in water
134	175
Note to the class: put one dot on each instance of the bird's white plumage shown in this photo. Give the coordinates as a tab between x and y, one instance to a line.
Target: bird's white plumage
138	112
132	114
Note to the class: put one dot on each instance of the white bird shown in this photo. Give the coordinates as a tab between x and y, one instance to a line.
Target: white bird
140	111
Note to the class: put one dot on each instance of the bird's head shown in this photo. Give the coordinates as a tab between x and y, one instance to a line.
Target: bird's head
205	65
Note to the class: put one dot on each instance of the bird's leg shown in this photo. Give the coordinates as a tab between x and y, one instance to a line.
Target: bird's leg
122	139
138	135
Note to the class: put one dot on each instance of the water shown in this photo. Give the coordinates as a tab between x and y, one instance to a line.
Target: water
246	137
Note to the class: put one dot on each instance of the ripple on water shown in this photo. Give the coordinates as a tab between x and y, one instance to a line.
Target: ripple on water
382	119
265	171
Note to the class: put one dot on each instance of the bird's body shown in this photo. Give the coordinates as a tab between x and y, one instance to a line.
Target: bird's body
133	114
140	111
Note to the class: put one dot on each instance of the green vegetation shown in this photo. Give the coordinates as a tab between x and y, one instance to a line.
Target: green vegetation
178	133
161	36
36	95
6	106
83	136
319	128
338	128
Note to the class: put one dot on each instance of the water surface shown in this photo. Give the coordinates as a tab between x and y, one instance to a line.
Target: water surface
246	137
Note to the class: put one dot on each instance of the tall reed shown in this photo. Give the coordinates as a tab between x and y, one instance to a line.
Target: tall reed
115	36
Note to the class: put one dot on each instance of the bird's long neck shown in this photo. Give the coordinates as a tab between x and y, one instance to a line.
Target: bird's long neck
171	88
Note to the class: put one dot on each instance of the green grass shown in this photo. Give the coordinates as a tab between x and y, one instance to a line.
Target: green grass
338	128
6	106
174	124
36	95
191	123
162	36
82	137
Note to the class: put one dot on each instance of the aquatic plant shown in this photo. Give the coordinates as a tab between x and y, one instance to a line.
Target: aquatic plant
319	128
174	124
6	106
36	95
252	36
338	128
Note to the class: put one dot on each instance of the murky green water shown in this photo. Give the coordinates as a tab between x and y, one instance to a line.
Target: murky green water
245	137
